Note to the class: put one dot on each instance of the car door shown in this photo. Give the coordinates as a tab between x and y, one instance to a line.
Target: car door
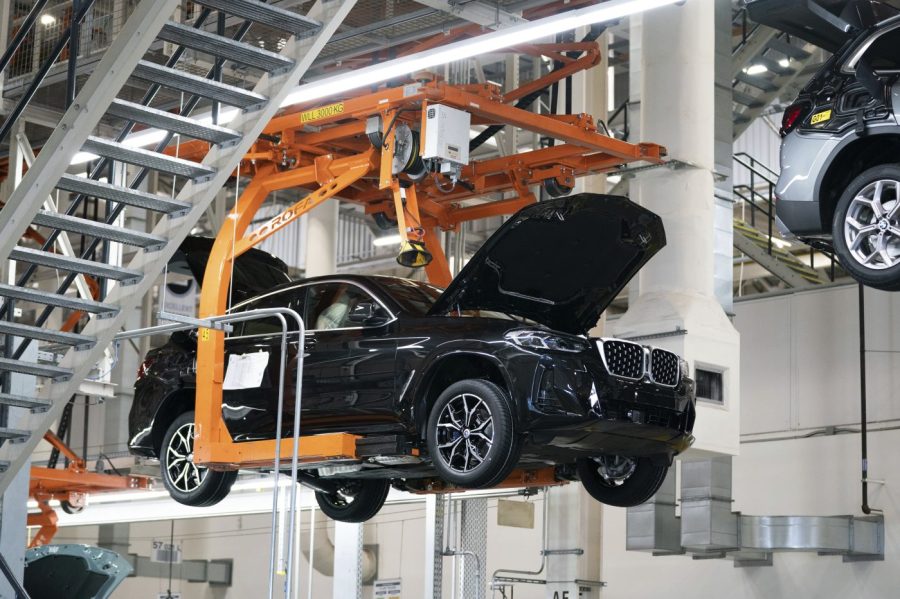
348	370
250	408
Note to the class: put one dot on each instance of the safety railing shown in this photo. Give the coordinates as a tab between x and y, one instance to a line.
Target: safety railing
741	22
181	323
757	192
618	121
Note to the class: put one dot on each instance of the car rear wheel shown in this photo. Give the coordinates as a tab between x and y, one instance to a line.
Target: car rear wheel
866	228
356	500
621	481
185	481
471	434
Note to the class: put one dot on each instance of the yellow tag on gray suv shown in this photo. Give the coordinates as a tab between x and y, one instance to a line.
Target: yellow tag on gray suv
820	117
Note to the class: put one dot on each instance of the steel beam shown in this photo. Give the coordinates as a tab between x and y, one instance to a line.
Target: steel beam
480	13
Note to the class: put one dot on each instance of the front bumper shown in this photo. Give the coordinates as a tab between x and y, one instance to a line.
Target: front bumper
578	406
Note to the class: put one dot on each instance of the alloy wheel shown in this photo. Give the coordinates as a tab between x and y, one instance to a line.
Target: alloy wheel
180	468
465	432
872	225
615	469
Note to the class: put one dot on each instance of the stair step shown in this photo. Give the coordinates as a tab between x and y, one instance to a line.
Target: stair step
790	50
265	14
93	228
746	99
41	334
192	84
774	66
757	82
216	45
20	401
43	370
29	294
72	264
146	158
171	122
13	435
140	199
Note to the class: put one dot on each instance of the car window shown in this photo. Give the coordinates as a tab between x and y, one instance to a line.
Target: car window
289	298
413	296
884	53
328	305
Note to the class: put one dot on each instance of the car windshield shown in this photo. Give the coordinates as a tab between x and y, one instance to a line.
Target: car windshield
415	297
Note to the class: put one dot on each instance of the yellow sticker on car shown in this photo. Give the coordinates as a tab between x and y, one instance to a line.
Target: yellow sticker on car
323	112
820	117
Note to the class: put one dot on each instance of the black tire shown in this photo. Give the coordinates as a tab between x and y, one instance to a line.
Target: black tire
643	482
494	415
70	508
555	189
384	222
358	500
881	275
186	483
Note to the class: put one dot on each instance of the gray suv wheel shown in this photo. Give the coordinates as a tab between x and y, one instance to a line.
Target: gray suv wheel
866	228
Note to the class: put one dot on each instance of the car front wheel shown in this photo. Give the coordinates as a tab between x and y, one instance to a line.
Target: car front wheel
185	481
866	228
355	500
621	481
471	434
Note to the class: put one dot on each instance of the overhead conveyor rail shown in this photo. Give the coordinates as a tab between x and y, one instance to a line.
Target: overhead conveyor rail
204	175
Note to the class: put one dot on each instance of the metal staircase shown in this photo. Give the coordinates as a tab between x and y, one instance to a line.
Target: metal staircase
767	65
279	74
760	241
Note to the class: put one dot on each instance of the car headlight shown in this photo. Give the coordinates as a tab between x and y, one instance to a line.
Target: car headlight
534	339
683	366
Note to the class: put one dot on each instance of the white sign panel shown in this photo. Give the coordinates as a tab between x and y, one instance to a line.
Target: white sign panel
245	371
164	553
387	589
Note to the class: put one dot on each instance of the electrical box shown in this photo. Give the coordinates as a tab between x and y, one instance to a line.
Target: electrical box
446	135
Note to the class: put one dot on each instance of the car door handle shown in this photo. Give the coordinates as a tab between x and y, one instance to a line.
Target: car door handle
309	343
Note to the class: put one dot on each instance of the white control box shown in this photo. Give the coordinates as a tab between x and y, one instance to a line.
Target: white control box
446	134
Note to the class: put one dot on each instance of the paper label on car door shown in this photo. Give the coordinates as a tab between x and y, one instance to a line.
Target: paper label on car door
820	117
245	371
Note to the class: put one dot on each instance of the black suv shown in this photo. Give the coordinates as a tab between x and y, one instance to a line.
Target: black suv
448	388
840	158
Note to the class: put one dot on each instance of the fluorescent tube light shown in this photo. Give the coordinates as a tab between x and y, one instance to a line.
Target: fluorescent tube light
483	44
386	240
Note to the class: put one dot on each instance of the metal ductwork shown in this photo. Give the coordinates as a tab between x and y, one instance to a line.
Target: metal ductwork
708	529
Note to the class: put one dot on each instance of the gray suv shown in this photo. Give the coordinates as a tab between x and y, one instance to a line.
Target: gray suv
839	186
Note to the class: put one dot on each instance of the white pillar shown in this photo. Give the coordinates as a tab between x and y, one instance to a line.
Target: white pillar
321	239
348	545
574	540
434	545
676	286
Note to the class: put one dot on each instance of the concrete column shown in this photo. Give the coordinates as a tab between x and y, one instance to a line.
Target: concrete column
676	297
321	239
348	545
574	540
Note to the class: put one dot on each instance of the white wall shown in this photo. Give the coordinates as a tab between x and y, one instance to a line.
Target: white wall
799	373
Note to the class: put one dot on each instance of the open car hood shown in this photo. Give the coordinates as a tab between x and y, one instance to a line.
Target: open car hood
559	263
828	24
73	571
255	271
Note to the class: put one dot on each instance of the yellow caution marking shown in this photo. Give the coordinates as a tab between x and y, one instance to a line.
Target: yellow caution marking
323	112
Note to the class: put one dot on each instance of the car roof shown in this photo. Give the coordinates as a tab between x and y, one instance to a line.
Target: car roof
368	281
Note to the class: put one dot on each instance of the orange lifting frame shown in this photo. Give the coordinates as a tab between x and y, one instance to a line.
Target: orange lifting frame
325	150
69	484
